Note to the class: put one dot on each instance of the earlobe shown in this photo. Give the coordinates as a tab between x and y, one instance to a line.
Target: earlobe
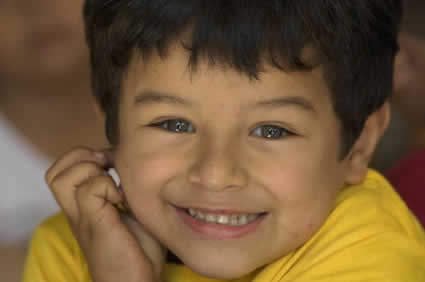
363	149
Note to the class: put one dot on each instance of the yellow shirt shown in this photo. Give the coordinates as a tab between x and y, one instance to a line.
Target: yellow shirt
369	236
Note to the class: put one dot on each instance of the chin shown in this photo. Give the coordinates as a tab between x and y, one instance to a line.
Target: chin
220	267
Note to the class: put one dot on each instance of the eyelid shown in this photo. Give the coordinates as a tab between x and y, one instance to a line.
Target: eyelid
166	118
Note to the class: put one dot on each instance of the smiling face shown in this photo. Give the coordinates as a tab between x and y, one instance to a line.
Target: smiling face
258	159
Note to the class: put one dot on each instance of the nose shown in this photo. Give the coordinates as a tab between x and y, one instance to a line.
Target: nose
217	166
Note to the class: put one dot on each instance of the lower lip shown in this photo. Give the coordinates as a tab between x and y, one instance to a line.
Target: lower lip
219	231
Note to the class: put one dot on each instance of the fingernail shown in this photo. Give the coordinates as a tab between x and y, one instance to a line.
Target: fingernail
100	156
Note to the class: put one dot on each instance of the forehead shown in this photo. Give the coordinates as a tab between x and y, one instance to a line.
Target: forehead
209	82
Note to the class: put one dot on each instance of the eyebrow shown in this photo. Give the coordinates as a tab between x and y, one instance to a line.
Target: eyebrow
280	102
147	97
154	97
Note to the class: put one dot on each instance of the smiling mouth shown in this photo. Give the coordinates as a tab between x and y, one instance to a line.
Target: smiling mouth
221	224
224	219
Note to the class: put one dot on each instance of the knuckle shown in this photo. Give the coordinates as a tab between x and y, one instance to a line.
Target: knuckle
48	176
80	151
101	183
55	184
106	179
92	185
102	180
74	175
75	154
90	168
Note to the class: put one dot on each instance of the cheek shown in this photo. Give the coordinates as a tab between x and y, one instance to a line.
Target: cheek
304	187
144	176
301	180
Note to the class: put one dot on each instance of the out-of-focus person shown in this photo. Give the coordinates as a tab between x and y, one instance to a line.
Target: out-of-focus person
44	78
408	174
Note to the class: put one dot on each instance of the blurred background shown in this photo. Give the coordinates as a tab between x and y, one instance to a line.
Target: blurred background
46	108
407	129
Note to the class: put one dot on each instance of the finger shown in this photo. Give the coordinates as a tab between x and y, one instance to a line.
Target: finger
65	184
151	246
73	157
96	200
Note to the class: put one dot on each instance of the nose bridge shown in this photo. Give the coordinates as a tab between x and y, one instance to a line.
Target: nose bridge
218	165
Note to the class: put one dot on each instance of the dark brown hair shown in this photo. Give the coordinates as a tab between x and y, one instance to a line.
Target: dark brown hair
356	42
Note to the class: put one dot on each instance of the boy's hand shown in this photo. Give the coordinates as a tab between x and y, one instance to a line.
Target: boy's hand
115	245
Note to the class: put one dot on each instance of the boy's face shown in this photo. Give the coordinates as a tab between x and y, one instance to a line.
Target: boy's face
263	155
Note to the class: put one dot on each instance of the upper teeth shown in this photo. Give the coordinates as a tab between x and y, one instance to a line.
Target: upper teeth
233	220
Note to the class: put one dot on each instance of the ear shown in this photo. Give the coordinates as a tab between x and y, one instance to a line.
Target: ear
363	149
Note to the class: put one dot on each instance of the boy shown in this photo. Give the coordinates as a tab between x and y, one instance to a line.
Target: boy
241	133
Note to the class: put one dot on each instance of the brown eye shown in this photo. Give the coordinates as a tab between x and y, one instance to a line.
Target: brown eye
176	126
270	132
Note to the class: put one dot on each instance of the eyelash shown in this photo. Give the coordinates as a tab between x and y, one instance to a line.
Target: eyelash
273	132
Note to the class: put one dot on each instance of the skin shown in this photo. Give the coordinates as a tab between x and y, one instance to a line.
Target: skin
225	163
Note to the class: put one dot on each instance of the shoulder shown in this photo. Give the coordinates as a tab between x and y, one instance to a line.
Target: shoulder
369	236
376	203
54	254
54	232
373	211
